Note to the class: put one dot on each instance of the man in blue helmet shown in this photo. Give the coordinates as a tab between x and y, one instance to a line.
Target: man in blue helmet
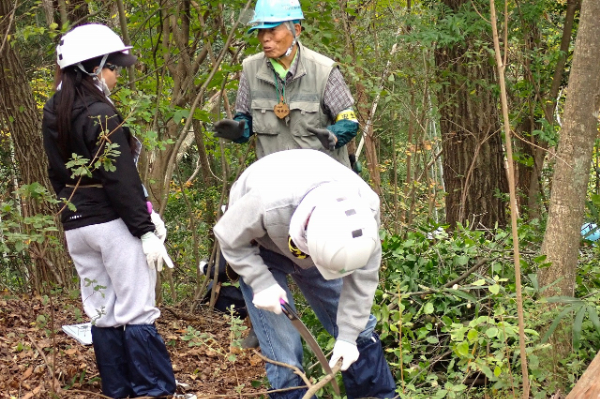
290	96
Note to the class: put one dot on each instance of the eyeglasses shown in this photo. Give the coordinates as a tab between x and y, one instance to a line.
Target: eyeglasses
113	68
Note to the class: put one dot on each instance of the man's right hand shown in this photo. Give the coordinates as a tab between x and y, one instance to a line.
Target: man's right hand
229	129
269	298
327	139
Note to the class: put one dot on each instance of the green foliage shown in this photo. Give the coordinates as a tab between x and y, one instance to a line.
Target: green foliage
443	340
17	232
461	339
236	327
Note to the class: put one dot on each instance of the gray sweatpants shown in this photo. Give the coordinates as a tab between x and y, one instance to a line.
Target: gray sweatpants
117	286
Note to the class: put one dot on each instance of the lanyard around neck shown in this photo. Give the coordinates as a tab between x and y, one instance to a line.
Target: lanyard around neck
281	97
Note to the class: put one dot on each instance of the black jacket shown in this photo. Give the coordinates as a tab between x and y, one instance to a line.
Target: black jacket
121	194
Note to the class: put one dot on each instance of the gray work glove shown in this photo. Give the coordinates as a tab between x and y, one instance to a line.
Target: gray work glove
229	129
327	138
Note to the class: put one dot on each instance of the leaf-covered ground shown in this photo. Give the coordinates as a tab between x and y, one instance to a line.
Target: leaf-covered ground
199	344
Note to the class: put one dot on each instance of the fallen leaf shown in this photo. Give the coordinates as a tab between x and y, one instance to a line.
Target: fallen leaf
27	373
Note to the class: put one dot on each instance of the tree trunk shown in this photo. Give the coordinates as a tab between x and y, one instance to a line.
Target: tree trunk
574	156
588	386
19	113
474	170
528	176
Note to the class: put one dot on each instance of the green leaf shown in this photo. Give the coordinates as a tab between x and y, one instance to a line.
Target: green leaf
180	114
462	349
472	335
494	289
256	383
463	295
479	282
497	371
593	315
428	308
491	332
432	339
564	299
577	326
461	260
555	323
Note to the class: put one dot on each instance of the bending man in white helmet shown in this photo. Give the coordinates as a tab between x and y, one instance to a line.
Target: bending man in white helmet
299	213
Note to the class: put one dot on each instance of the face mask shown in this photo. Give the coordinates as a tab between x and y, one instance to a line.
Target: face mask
104	86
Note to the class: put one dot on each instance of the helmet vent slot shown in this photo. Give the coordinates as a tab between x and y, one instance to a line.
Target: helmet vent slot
351	212
357	233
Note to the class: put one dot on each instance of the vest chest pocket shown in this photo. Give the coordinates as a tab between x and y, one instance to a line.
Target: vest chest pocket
304	114
264	120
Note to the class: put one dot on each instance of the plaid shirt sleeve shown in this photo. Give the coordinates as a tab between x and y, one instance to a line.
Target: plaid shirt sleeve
337	96
242	101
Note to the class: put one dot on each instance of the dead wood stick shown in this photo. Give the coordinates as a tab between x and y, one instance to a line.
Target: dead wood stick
289	366
312	390
53	380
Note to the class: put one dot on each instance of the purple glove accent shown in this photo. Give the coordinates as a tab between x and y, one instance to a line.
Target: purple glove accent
149	206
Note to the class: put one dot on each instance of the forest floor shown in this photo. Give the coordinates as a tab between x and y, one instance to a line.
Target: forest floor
199	344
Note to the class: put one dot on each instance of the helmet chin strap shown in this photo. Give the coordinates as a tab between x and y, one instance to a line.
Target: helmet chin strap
97	76
291	48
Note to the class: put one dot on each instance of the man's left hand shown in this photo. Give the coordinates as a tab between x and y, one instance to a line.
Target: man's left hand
326	138
346	351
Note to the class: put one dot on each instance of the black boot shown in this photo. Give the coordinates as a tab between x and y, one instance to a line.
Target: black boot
370	375
111	359
295	394
150	368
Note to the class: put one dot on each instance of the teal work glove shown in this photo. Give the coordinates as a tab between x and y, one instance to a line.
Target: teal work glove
229	129
326	138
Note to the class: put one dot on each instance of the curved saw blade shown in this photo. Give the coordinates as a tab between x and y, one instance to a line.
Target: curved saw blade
310	341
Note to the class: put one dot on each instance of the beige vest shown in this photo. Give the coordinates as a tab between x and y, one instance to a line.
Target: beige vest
304	96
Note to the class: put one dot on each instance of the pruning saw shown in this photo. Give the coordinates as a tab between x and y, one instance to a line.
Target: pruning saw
310	341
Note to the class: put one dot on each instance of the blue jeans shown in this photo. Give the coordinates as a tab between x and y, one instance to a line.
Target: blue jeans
278	338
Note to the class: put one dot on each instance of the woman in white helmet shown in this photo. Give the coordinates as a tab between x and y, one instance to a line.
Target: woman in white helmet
111	237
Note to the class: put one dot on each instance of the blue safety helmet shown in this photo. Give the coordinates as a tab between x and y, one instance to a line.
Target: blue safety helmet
271	13
590	231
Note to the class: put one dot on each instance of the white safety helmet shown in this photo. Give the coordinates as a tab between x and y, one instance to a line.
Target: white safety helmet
342	234
90	41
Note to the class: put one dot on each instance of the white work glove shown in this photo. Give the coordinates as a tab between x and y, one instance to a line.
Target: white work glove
155	252
269	299
159	226
345	350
